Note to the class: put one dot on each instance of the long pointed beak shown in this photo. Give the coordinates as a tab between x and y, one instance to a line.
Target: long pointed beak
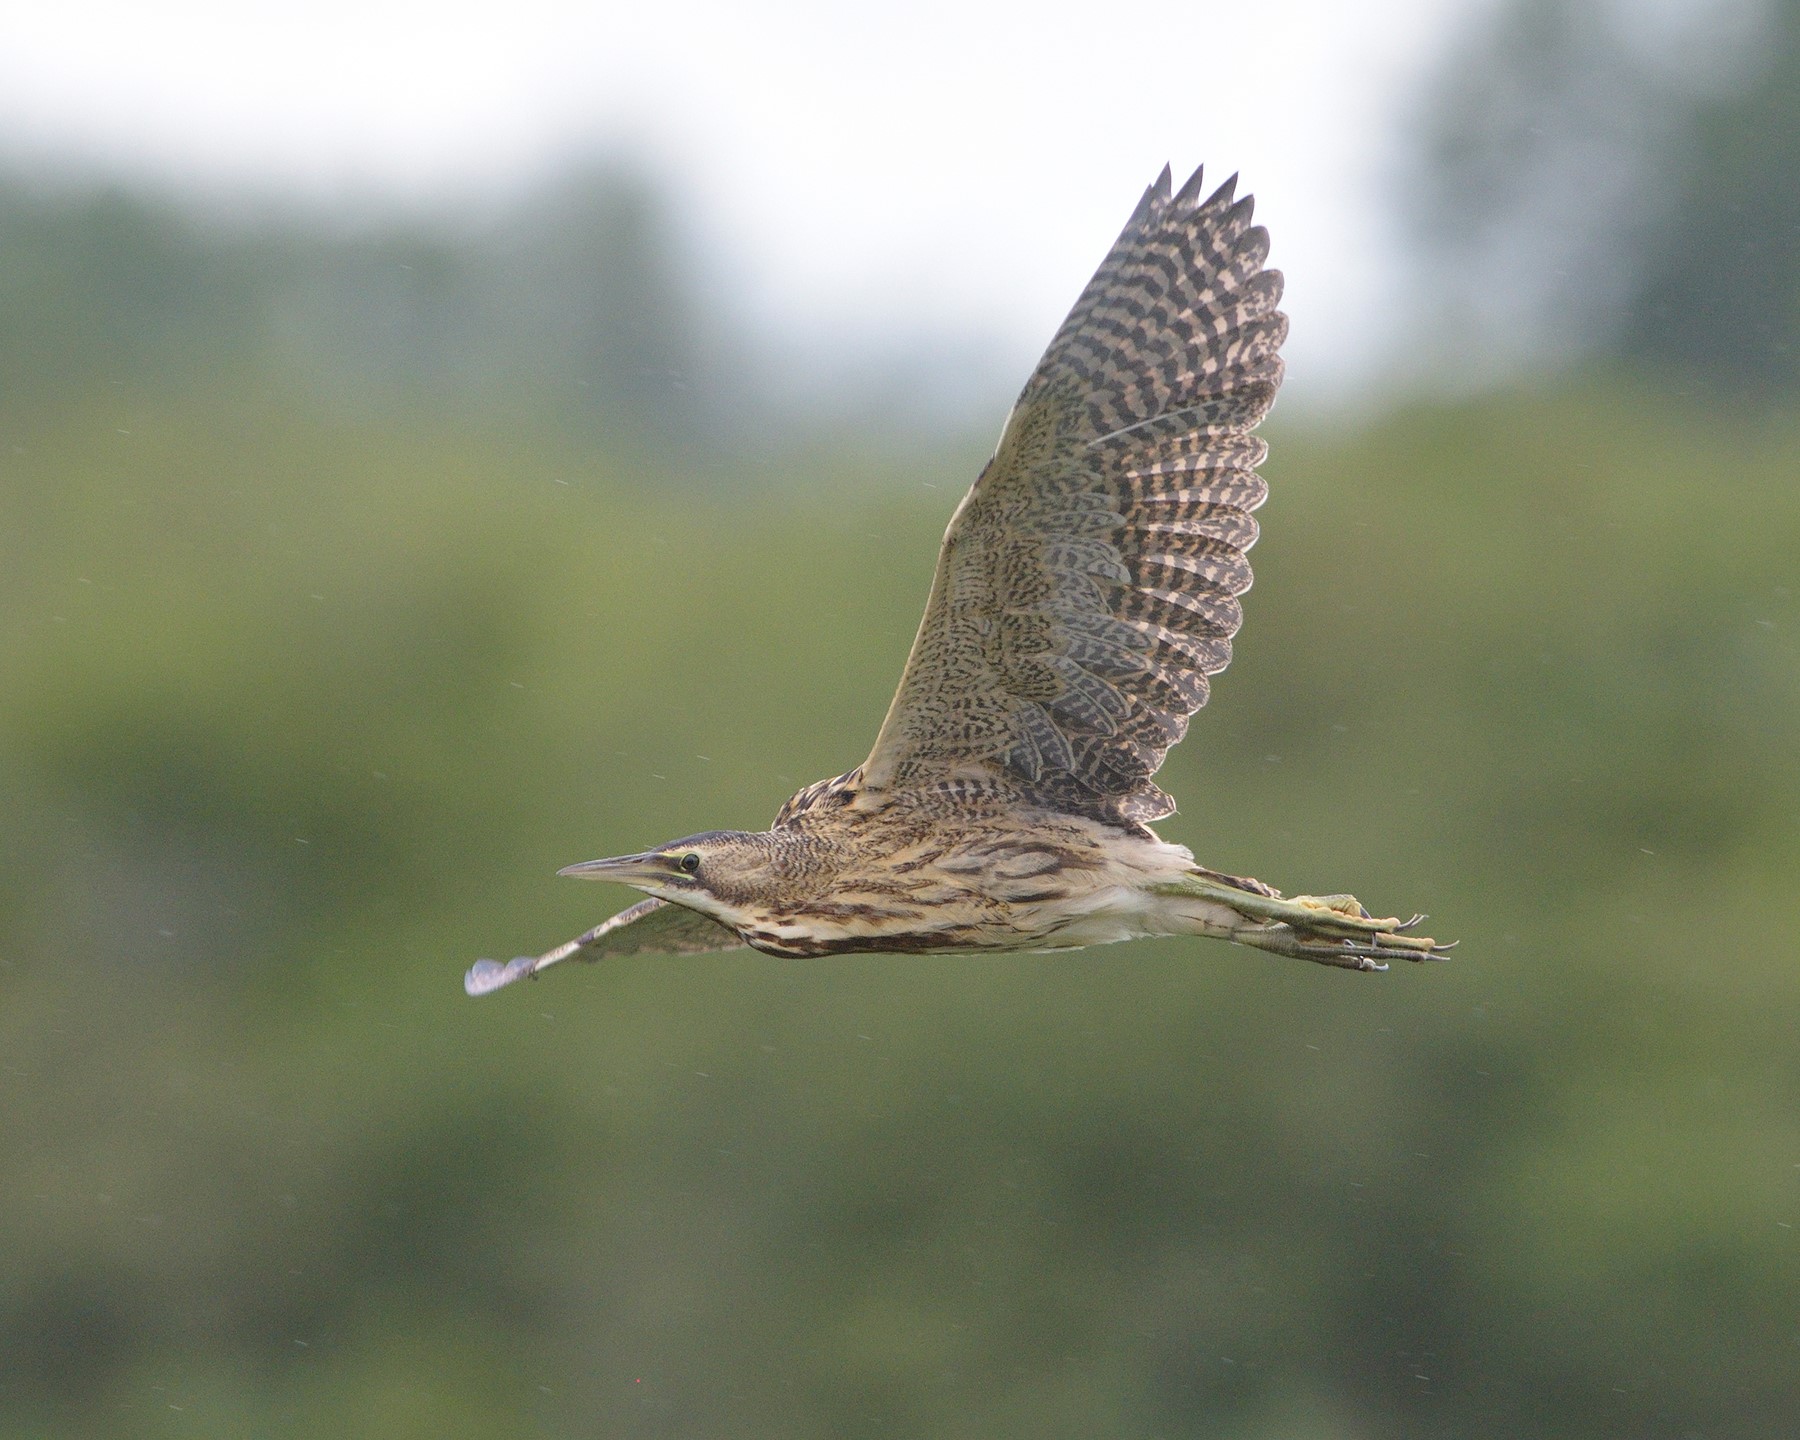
626	869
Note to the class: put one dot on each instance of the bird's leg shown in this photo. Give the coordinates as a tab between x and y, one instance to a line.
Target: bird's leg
1328	929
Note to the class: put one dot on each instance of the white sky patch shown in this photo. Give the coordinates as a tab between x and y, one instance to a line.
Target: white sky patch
890	174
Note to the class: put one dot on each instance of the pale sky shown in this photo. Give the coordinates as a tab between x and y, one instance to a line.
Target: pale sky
948	170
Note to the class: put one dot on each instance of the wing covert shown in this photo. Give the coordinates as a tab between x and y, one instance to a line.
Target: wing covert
1088	585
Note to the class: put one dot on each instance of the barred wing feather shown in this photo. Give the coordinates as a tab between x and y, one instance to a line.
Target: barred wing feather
650	927
1088	585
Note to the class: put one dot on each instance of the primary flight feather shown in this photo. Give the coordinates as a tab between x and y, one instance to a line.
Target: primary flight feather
1086	593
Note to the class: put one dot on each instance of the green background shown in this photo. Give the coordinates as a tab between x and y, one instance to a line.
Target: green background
302	710
355	577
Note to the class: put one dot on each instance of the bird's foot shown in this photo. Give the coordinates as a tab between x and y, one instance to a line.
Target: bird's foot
1328	929
1337	930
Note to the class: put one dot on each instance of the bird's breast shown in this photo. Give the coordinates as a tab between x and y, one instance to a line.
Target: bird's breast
949	883
1037	913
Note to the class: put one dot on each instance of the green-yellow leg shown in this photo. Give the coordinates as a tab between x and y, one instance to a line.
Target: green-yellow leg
1328	929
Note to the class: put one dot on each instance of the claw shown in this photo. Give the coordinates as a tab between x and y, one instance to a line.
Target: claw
1345	957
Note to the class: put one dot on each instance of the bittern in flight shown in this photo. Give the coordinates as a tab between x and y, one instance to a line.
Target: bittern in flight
1086	593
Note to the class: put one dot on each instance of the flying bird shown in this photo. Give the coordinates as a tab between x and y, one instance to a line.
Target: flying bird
1086	594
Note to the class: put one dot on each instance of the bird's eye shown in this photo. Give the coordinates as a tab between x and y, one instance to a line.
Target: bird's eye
690	864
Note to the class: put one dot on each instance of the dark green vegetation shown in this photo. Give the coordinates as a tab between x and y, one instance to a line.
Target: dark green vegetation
1625	178
340	606
574	307
301	711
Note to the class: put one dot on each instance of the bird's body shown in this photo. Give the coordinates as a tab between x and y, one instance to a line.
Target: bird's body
1086	592
922	873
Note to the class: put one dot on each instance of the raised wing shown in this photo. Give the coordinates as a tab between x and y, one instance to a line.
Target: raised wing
650	927
1088	583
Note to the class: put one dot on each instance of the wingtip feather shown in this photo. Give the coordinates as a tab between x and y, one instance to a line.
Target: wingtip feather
486	976
1222	198
1190	192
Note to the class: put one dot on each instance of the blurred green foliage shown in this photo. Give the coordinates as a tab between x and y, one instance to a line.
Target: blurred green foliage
571	306
1624	179
302	708
351	582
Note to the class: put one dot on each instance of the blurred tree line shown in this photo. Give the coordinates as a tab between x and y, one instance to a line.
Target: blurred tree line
300	714
1626	179
574	304
336	614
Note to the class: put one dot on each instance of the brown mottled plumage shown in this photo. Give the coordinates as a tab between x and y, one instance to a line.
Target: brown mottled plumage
1086	592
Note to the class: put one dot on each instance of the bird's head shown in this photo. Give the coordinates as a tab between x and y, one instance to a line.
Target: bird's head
720	873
